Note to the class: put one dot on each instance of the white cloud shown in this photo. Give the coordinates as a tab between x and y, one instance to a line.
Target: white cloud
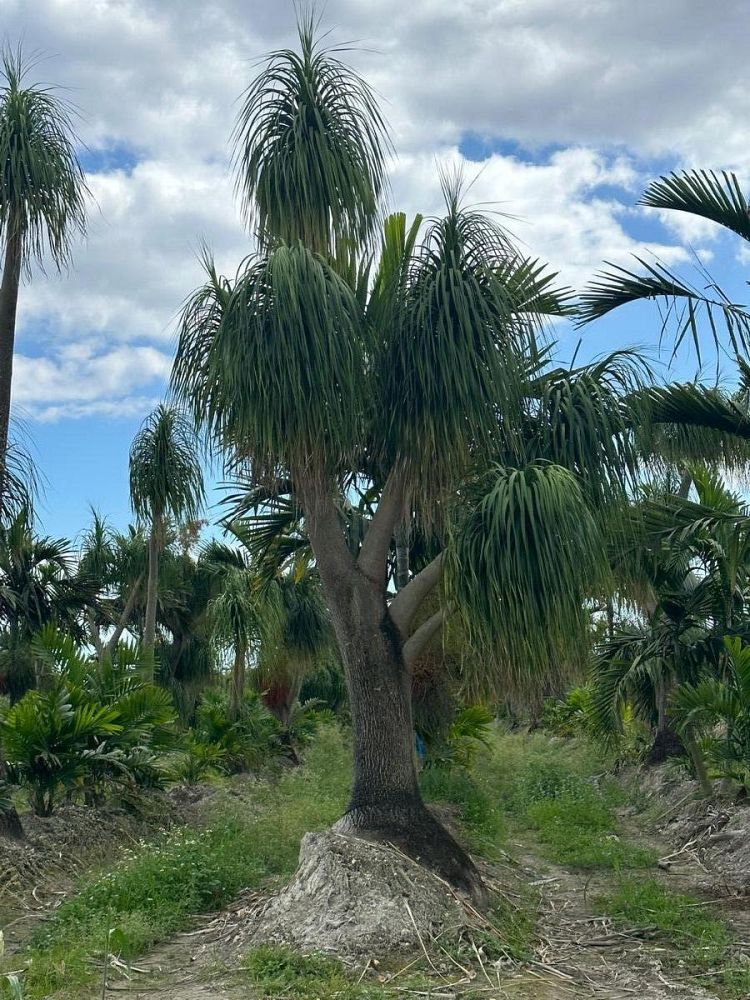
80	379
161	77
141	255
552	208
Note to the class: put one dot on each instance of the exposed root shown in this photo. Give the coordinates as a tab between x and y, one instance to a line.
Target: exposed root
351	897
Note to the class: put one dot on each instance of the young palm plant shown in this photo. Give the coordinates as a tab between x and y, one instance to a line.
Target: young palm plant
166	481
42	200
693	578
432	392
37	588
717	709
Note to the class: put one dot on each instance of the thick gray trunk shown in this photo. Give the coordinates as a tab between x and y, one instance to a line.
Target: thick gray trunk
386	804
8	308
402	558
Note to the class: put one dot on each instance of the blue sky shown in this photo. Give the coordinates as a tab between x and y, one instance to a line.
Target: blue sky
562	114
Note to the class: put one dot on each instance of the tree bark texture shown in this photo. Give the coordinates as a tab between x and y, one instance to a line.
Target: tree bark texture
386	803
152	592
8	307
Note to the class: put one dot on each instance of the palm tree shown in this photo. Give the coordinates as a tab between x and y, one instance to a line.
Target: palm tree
705	194
693	578
166	481
426	386
42	199
236	625
37	587
295	636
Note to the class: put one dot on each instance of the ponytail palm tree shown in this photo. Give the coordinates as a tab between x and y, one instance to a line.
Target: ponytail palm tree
426	387
234	617
166	481
42	200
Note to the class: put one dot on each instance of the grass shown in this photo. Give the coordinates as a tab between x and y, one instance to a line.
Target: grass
480	814
554	788
557	789
701	940
157	888
280	972
580	831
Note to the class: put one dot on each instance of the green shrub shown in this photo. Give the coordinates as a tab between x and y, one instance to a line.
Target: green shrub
717	711
196	761
455	785
246	744
466	736
94	727
281	972
571	715
540	780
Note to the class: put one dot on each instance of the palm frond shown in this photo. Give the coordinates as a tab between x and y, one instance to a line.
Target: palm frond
688	422
42	187
452	360
684	304
578	419
310	146
521	563
281	375
705	193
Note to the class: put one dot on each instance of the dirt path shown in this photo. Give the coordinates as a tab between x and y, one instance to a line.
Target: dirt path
578	953
594	958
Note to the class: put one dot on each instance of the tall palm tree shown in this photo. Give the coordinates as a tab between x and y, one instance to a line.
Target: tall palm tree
42	199
429	386
166	481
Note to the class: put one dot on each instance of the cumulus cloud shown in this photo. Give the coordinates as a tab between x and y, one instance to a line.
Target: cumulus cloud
83	378
141	255
590	91
555	209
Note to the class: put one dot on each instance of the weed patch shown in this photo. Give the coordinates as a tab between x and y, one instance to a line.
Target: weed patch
701	940
481	817
579	830
556	788
281	972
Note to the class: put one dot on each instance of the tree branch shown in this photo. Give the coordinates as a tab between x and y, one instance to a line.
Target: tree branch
323	525
94	631
417	642
373	555
406	603
127	613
